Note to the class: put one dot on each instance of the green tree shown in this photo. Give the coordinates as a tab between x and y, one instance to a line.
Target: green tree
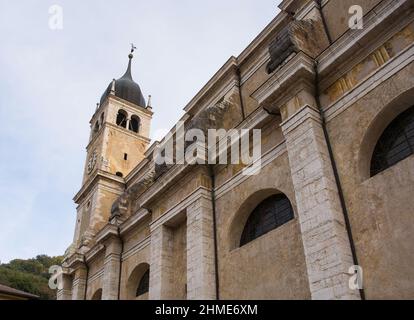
31	275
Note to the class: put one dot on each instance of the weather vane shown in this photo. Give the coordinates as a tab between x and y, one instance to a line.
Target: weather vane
133	48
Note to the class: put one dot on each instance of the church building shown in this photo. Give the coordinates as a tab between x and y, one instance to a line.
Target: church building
329	215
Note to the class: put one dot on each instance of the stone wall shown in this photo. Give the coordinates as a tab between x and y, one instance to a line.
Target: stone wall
363	86
380	207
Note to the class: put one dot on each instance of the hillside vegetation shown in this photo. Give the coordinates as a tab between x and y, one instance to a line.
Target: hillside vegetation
31	275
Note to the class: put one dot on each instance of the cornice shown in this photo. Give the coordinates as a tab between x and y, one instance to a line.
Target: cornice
121	101
107	232
344	48
134	220
267	31
75	261
303	114
373	81
94	251
233	63
163	182
239	178
116	128
299	67
98	274
139	171
128	132
229	66
263	58
200	192
137	247
99	176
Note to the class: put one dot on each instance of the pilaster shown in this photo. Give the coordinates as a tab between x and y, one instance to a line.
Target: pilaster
112	268
66	292
200	251
79	283
325	240
161	266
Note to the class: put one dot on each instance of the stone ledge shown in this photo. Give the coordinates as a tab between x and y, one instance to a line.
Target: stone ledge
300	68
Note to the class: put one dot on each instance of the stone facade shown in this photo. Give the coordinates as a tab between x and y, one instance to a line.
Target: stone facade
322	94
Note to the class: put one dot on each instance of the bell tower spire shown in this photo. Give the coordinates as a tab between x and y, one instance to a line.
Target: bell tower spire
128	72
120	129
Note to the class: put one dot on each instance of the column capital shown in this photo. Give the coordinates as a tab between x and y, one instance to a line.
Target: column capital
305	113
298	71
76	261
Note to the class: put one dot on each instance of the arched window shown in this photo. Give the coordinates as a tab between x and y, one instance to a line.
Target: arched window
119	174
395	144
102	118
134	124
268	215
121	119
97	295
143	286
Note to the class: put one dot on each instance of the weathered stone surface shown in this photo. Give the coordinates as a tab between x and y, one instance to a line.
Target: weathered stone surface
165	215
325	241
112	262
200	251
79	284
161	266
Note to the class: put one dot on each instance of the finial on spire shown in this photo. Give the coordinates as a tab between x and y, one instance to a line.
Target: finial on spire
149	106
132	51
113	86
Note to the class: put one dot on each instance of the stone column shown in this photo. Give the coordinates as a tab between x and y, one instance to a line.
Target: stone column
112	269
161	266
66	292
79	283
201	282
325	240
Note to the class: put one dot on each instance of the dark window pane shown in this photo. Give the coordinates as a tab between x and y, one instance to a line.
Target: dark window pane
134	124
395	144
121	119
268	215
143	286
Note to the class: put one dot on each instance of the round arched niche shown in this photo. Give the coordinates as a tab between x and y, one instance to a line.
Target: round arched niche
97	295
134	280
240	218
377	127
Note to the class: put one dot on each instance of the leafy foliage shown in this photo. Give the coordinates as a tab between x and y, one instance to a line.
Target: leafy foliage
31	275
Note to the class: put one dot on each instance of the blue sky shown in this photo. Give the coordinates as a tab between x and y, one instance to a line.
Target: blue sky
50	82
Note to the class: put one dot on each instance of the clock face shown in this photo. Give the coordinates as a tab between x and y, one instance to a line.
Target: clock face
92	162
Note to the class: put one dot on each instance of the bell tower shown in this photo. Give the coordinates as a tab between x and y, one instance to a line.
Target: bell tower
119	137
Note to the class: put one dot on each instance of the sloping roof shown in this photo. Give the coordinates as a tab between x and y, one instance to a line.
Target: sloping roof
17	293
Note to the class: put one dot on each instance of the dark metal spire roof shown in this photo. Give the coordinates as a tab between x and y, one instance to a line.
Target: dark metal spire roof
126	88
